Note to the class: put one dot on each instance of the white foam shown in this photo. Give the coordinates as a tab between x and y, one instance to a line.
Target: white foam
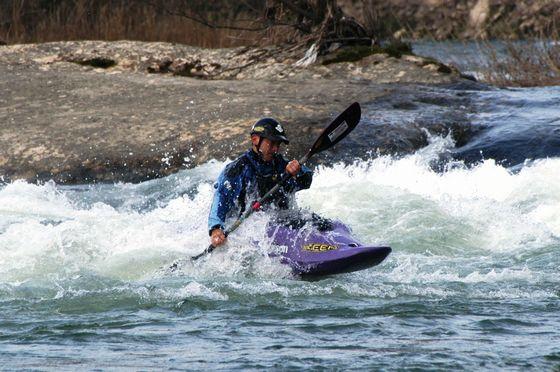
484	207
195	289
435	222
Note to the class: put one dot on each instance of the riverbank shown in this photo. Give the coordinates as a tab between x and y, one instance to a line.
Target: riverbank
134	119
231	24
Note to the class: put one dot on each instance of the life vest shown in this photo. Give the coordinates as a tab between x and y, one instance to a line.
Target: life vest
264	182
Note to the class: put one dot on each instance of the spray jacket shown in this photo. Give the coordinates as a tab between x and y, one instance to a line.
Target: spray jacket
247	179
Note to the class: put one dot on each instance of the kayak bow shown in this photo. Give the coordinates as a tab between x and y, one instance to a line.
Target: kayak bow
313	250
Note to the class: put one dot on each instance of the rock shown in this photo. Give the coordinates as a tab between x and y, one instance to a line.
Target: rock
420	61
76	124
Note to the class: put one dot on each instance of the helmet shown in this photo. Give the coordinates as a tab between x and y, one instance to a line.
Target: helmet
271	129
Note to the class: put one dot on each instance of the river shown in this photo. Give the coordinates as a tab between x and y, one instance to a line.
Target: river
472	282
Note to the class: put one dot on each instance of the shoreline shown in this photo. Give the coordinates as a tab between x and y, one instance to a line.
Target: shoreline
71	122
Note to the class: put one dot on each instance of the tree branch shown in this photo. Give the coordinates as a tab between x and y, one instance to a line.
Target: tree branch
297	9
202	20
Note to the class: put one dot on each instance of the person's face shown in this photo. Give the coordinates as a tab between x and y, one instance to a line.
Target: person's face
268	148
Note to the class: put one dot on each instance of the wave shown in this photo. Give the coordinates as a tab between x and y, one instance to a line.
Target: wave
467	225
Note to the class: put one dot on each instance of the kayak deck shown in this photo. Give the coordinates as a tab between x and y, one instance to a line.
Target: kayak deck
324	249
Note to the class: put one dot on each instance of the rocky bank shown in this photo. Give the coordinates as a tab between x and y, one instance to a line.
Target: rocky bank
80	112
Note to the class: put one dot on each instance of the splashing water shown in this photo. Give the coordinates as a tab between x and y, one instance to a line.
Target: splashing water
474	264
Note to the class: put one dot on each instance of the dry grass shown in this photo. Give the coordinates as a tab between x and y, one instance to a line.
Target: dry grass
34	21
523	64
21	22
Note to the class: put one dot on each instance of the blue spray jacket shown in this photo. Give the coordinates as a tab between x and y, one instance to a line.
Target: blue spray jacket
248	178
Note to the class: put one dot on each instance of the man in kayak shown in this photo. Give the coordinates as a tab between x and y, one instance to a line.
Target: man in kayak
254	173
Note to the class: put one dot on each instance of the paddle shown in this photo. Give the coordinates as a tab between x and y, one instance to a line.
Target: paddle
330	136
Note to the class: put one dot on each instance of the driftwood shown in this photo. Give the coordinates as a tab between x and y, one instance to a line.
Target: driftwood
301	22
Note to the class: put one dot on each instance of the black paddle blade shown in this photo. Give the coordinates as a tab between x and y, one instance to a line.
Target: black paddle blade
338	129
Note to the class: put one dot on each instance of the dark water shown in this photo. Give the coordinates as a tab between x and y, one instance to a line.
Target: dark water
518	125
472	282
471	57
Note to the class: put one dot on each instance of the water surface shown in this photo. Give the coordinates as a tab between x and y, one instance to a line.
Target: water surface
472	281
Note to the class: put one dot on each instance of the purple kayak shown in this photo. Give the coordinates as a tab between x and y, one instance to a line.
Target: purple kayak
323	247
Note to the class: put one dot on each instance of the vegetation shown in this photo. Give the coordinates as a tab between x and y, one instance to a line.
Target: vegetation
377	26
25	21
524	64
217	23
220	23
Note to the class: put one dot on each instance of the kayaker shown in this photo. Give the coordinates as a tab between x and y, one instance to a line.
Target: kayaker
251	175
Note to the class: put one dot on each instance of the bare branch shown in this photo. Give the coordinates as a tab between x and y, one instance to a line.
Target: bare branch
297	9
202	20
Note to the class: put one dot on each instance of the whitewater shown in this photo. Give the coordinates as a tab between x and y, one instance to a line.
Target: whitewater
472	281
